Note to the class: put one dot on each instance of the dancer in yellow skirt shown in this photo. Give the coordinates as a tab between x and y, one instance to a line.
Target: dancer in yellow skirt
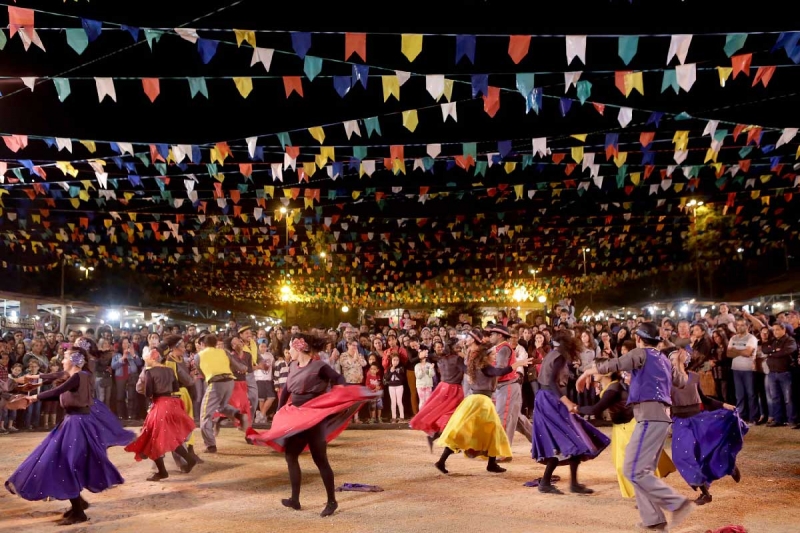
173	351
614	397
475	427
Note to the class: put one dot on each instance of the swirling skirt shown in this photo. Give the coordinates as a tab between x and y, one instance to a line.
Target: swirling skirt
439	408
476	429
166	428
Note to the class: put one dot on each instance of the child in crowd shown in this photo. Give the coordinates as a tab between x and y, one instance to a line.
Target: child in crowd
395	379
34	410
264	377
4	418
280	372
375	384
424	372
49	409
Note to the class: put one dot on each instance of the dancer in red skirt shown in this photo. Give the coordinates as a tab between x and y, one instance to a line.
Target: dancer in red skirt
167	425
241	365
311	417
448	394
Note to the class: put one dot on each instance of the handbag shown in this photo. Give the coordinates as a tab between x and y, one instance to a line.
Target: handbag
707	384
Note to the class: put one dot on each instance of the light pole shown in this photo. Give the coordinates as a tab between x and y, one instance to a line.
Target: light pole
534	271
285	212
86	270
693	205
584	259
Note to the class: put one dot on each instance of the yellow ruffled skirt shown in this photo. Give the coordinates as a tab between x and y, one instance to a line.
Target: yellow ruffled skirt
620	437
186	398
476	429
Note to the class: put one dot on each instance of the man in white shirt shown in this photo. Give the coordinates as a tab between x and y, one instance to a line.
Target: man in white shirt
742	349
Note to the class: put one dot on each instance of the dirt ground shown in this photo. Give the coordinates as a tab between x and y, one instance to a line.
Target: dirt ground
239	489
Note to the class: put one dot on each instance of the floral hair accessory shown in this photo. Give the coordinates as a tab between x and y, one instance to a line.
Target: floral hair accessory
300	345
84	344
77	358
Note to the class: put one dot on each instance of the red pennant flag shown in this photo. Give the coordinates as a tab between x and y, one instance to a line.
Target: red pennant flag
741	63
152	88
619	79
763	75
293	84
491	101
293	151
646	137
246	169
355	43
518	46
558	157
739	128
601	108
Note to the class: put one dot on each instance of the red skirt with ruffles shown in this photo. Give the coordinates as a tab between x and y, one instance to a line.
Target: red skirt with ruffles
238	400
334	409
166	427
436	412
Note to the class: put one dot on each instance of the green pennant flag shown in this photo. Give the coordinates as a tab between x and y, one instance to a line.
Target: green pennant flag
152	36
470	149
360	152
3	39
77	39
734	42
372	125
284	139
144	158
670	80
312	66
621	173
584	90
480	168
198	85
62	88
627	47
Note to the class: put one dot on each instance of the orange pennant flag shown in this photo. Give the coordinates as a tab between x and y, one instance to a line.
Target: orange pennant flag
152	88
763	75
646	137
518	46
19	17
741	63
491	101
293	84
355	43
619	80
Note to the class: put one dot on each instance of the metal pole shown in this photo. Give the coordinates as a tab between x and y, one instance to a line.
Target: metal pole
63	263
697	248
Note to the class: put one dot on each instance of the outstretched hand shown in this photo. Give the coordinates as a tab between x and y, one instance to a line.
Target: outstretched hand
583	382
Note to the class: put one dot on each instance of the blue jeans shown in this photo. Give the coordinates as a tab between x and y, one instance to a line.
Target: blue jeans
746	394
780	390
32	414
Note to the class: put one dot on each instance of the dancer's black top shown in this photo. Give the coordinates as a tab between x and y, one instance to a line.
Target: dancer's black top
486	382
160	381
451	368
615	399
310	381
75	394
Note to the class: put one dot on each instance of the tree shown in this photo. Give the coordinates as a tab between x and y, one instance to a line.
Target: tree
704	242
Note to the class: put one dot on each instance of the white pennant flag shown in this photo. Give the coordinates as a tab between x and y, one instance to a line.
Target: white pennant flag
257	212
711	128
402	76
29	82
653	189
665	184
449	110
62	143
251	146
433	150
679	45
331	173
540	146
598	180
189	34
289	162
418	164
588	160
368	167
570	79
434	83
178	153
576	47
787	135
625	116
32	38
102	179
263	56
189	184
125	148
277	172
687	75
351	128
680	156
105	87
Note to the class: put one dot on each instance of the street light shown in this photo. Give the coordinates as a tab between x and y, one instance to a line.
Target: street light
584	259
740	250
87	270
345	309
534	271
542	298
323	255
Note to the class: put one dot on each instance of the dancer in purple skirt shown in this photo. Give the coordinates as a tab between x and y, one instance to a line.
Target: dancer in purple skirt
73	456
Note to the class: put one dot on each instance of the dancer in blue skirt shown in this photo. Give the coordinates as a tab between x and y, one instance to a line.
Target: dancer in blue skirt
559	435
73	456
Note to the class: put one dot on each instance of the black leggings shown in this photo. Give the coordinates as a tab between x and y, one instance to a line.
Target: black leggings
314	438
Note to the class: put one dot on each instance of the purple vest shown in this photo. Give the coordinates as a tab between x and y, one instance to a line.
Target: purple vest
652	382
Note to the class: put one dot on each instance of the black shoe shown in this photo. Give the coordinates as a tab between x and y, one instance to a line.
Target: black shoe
290	503
330	508
761	421
548	489
158	477
495	468
84	505
655	527
211	449
736	474
187	468
774	424
73	518
796	426
703	499
577	488
440	467
194	456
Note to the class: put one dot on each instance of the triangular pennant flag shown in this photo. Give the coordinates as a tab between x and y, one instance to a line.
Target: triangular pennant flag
518	46
411	45
152	88
77	39
105	87
62	88
355	43
263	56
243	85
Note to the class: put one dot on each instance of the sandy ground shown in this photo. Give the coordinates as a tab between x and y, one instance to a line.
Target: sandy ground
239	489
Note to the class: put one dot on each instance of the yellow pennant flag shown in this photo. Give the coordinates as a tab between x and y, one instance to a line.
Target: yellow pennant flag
448	89
220	177
244	85
67	168
755	194
681	139
391	87
287	193
269	190
577	153
518	191
318	133
309	169
328	151
320	160
398	165
75	202
580	136
765	200
411	45
620	158
711	155
678	188
84	195
90	145
410	119
308	203
128	196
765	178
636	177
245	36
356	194
633	81
724	74
509	167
